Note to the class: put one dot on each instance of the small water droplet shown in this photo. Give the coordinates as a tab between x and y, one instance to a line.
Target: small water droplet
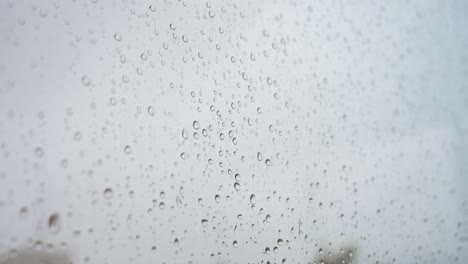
108	193
196	124
185	133
151	110
117	37
179	202
259	156
252	199
54	223
204	222
280	242
237	177
39	152
85	80
77	136
23	211
127	150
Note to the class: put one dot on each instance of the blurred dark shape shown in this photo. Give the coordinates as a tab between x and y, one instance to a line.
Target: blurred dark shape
30	256
343	255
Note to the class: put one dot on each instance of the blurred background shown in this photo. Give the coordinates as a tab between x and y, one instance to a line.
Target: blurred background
281	131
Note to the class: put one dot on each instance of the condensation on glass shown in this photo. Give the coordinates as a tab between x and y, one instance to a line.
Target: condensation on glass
275	131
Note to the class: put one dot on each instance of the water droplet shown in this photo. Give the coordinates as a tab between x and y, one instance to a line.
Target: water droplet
237	186
39	152
268	162
235	244
77	136
23	211
151	110
172	26
280	242
85	80
204	222
259	156
179	202
127	150
152	8
117	37
196	124
217	198
54	223
108	193
123	58
237	177
185	133
252	199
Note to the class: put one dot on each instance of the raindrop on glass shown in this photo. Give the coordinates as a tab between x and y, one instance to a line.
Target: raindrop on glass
196	124
127	150
108	193
54	223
